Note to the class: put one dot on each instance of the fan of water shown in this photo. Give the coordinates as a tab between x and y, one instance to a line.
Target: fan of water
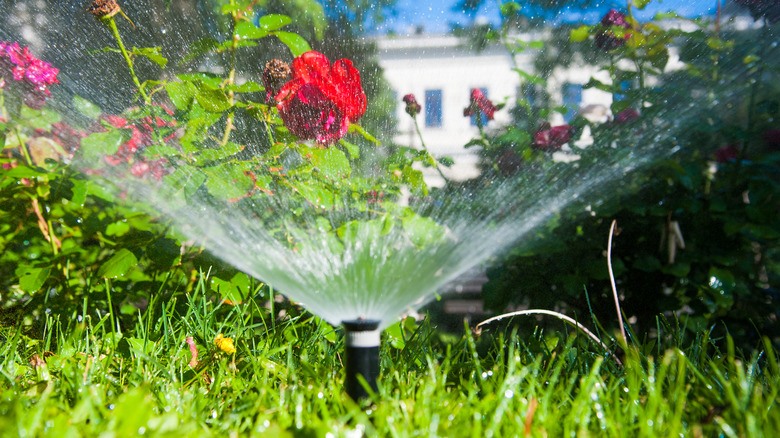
322	256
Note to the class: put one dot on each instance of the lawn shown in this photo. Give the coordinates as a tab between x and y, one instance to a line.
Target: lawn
79	377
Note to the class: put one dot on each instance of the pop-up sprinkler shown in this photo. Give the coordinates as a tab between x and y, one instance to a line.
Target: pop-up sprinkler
362	356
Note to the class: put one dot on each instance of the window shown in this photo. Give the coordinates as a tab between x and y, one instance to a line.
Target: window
624	87
433	108
481	114
572	97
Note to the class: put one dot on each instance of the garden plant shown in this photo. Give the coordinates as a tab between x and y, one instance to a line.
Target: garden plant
184	258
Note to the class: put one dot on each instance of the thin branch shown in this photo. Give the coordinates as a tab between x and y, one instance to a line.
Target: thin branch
570	320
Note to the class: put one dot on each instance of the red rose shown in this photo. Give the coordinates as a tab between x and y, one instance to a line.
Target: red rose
552	138
480	104
321	100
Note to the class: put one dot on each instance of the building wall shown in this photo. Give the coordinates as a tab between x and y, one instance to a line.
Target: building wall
419	63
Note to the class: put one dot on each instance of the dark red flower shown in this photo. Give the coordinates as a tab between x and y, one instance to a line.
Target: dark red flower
627	115
321	100
553	138
772	139
142	135
727	153
607	39
480	104
412	107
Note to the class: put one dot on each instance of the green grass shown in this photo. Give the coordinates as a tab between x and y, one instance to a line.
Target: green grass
286	380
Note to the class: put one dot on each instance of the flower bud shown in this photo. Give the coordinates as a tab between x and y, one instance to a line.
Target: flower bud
275	75
104	8
607	39
412	107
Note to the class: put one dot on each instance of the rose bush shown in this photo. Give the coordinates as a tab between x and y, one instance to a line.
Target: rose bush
321	100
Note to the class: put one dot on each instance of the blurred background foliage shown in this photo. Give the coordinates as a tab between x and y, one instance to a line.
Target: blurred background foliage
56	243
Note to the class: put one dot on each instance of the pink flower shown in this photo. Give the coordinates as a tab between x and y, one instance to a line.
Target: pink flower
32	74
322	99
607	39
480	104
553	138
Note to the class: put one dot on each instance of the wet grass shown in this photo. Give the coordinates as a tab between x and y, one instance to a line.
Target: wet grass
81	377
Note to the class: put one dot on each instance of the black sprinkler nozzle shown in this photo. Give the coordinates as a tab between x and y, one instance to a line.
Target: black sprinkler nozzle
362	356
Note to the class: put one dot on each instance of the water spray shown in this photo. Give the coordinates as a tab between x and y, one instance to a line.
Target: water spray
362	357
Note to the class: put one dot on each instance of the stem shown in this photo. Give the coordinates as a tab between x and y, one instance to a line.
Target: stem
754	85
422	143
115	31
23	148
230	81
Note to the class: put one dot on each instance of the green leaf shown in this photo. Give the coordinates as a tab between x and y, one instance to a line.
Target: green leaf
79	191
200	47
534	79
317	194
32	279
214	101
352	149
23	171
118	265
332	162
670	15
99	144
248	31
151	53
296	43
640	4
86	107
422	231
186	179
515	136
273	22
181	94
229	181
236	290
222	152
247	87
415	180
579	34
118	228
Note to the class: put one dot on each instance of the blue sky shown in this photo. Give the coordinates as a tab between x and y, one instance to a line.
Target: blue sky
437	15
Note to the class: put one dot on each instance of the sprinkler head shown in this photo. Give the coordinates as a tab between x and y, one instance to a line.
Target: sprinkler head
362	356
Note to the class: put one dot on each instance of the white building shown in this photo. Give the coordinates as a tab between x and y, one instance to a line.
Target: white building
441	72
